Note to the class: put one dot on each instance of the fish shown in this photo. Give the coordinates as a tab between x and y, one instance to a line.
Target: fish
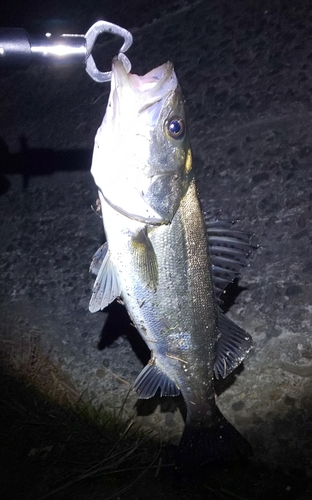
167	264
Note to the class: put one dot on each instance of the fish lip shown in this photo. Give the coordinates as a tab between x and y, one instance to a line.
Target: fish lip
161	78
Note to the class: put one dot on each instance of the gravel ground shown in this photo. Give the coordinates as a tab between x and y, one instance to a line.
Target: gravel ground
246	75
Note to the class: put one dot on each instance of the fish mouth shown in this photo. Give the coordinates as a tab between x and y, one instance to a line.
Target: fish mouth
151	81
147	90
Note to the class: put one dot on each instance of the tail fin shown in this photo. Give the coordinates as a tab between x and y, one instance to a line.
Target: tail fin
221	443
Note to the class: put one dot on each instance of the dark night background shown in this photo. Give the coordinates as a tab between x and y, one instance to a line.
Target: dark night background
246	73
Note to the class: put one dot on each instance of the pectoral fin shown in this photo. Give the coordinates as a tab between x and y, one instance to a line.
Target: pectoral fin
97	259
106	287
145	258
153	378
231	348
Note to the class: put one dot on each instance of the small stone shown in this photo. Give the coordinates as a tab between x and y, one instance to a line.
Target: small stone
301	221
100	373
293	290
256	419
262	176
307	268
221	97
305	151
113	345
288	401
238	405
242	419
232	150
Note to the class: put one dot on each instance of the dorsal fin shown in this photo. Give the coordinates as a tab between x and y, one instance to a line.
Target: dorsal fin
229	250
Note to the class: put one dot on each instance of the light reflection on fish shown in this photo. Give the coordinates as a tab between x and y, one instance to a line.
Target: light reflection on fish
156	257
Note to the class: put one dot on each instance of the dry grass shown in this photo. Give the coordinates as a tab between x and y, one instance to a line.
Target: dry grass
56	446
53	450
21	355
52	430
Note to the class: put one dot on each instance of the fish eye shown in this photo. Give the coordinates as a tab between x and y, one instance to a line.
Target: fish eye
175	127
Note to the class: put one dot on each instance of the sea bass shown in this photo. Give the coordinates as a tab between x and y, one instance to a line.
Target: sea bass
156	257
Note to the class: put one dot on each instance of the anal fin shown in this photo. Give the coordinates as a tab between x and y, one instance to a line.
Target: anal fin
231	348
153	378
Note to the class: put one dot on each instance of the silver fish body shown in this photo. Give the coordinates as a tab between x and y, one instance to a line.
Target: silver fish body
156	257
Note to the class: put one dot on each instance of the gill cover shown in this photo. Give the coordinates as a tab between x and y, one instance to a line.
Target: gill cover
141	148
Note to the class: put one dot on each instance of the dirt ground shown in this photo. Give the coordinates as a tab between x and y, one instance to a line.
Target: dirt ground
75	452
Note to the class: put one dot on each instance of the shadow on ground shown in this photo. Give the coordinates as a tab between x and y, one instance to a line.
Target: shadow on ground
77	452
32	162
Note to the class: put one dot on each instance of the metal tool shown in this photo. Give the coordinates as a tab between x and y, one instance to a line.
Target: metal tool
18	49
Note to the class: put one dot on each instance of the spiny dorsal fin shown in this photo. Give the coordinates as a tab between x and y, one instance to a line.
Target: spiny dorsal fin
153	378
229	250
106	287
231	348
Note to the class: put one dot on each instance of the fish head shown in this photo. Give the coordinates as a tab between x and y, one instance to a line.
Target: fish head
142	158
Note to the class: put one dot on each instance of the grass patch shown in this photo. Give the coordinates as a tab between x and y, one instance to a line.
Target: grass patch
57	445
48	451
54	440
